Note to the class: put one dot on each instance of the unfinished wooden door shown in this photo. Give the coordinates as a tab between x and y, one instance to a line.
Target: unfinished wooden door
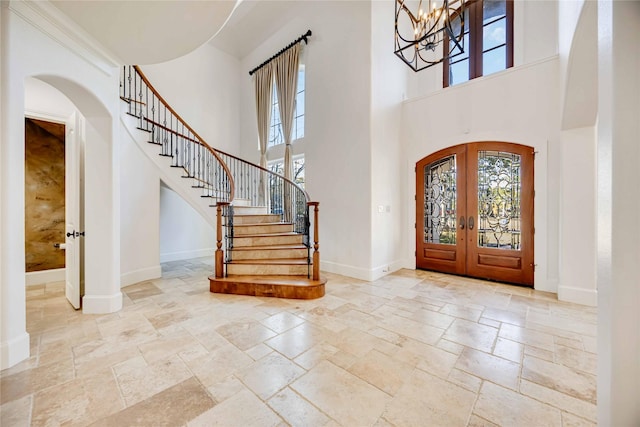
474	210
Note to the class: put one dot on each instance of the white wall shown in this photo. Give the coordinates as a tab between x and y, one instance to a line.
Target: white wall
388	192
535	34
202	87
337	125
618	213
517	105
578	217
184	233
139	214
33	46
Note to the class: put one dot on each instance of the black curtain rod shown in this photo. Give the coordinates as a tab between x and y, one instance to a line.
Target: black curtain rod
289	46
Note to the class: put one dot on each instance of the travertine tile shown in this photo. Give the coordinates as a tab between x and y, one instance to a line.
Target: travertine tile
282	322
245	334
464	379
505	316
561	378
242	409
412	348
461	312
315	355
139	384
226	388
173	406
295	341
509	350
577	359
560	400
382	371
506	407
78	402
570	420
489	367
297	411
16	412
472	334
429	400
269	374
527	336
476	421
26	382
343	396
219	364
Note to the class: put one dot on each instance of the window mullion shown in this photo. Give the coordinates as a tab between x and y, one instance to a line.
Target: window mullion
476	17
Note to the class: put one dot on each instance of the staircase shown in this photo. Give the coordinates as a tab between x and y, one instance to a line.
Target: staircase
262	217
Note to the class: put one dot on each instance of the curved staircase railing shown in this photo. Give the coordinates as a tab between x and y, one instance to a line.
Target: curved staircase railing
225	178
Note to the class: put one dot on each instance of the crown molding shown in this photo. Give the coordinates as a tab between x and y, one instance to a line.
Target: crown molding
63	30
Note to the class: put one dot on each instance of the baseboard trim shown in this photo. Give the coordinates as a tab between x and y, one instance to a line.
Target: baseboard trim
101	304
14	351
362	273
45	276
578	296
180	255
140	275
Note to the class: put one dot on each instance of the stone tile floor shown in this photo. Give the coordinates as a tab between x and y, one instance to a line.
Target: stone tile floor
414	348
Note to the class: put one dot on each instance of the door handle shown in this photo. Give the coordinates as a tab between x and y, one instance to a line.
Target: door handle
462	223
470	223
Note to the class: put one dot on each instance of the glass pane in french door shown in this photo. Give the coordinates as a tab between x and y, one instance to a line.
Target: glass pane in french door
499	199
440	201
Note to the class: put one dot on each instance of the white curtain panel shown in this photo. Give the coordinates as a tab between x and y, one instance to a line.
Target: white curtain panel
264	88
286	76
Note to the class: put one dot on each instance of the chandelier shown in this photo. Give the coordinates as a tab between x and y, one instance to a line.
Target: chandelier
435	34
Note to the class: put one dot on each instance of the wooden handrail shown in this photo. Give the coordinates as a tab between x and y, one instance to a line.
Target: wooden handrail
161	126
186	125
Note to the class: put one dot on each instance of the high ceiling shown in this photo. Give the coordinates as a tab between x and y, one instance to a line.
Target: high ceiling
252	22
149	31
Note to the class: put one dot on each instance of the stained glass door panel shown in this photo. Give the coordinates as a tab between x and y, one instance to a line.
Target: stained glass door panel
500	245
439	200
474	210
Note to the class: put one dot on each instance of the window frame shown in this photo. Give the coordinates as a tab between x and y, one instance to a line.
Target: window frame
476	50
275	125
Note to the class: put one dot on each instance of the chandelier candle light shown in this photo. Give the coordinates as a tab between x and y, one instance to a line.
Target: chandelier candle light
435	34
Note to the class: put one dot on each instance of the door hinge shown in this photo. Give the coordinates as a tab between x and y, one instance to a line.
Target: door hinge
533	266
415	197
415	253
415	225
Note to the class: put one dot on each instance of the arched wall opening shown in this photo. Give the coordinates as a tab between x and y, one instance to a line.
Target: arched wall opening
90	82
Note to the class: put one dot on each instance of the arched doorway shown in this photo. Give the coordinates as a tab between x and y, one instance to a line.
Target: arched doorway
474	211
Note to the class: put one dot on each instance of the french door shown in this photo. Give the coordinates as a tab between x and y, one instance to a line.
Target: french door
474	210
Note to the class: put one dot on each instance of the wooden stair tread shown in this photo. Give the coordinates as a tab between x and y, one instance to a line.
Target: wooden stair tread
296	287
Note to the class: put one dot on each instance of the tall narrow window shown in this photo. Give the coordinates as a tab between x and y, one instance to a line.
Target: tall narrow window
488	33
275	128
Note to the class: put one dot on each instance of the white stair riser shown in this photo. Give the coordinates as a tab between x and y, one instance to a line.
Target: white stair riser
252	230
262	269
268	254
255	219
294	239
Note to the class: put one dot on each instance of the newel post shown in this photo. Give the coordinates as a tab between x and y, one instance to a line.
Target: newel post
316	246
219	254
